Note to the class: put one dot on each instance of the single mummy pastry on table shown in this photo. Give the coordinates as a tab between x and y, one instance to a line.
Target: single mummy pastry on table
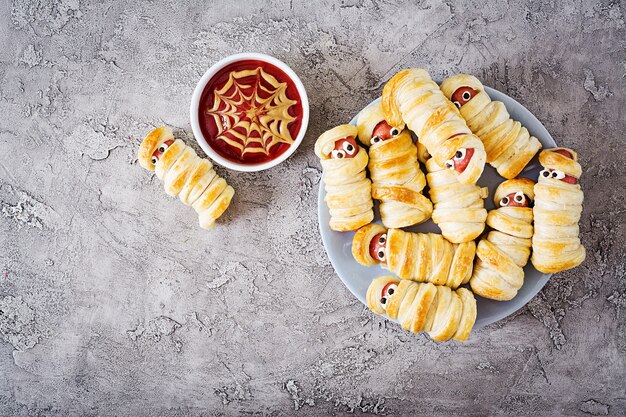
459	209
348	190
557	210
508	144
501	255
438	310
185	174
397	180
412	97
422	257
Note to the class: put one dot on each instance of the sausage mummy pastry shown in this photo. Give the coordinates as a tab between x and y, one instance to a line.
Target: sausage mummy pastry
459	209
185	174
397	180
348	190
502	254
422	257
411	96
558	205
438	310
508	144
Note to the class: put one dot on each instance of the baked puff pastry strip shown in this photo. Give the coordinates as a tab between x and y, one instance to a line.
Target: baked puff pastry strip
422	257
412	97
503	253
185	174
397	180
438	310
459	209
557	210
508	144
348	190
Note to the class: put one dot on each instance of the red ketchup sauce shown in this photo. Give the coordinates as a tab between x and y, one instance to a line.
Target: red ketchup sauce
247	110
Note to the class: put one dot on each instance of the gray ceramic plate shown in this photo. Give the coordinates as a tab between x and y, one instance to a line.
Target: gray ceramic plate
357	277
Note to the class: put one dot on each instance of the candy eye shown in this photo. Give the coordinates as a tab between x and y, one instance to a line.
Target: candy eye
504	201
450	164
154	160
460	154
337	154
457	104
391	289
383	302
394	131
466	95
349	148
519	197
545	173
381	254
559	175
374	140
163	147
382	239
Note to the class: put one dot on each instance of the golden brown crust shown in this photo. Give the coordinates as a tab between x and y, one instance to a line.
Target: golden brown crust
374	292
348	190
503	253
151	143
413	98
361	243
558	206
422	257
508	145
437	310
458	208
397	180
525	185
187	175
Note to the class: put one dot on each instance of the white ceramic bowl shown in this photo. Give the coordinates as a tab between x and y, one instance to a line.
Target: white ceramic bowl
195	103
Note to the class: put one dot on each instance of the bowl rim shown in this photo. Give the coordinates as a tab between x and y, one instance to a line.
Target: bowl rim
195	103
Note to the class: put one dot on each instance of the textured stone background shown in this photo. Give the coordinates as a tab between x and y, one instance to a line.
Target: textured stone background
114	302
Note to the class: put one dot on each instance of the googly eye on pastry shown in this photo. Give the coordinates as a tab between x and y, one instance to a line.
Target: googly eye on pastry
437	310
411	96
458	208
509	146
557	210
185	174
397	179
372	126
348	190
362	240
424	257
150	144
511	188
375	293
502	254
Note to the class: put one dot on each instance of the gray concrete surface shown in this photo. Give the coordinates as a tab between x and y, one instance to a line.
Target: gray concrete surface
114	302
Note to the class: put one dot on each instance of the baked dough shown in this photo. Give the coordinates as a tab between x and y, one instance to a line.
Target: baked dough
438	310
412	97
397	180
348	190
508	144
459	209
185	174
422	257
558	205
501	255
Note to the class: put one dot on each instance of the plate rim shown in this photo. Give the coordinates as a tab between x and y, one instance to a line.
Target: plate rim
480	321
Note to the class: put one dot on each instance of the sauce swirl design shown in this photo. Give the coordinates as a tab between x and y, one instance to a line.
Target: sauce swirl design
250	112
